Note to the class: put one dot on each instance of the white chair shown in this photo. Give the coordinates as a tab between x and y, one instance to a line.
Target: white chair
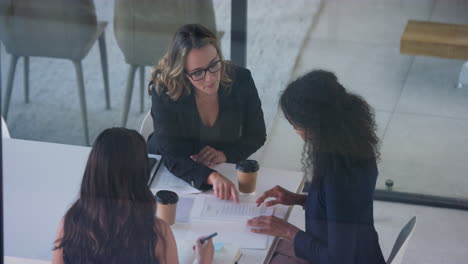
401	243
5	132
62	29
463	77
147	126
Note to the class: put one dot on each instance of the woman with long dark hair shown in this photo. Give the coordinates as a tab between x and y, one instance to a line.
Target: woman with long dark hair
205	110
339	158
113	220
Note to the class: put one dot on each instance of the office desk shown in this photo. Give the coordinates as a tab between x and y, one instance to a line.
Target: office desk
42	180
267	178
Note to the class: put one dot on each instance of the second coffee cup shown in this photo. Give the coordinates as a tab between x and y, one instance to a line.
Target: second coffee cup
247	175
166	206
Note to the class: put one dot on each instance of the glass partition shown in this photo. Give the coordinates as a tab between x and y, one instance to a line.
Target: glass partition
71	68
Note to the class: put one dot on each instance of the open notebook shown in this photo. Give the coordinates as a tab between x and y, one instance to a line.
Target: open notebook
225	253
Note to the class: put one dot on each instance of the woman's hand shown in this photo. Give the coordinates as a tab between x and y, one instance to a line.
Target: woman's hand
223	188
273	226
209	156
204	252
282	196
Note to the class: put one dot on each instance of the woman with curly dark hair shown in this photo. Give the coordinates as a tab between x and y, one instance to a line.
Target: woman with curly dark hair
339	158
113	221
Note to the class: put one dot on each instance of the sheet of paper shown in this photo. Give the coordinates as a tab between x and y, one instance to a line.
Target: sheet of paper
165	180
227	253
184	208
281	211
235	232
211	208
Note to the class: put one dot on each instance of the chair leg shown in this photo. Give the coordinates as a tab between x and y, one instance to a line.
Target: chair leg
9	87
81	93
142	88
105	68
128	93
1	71
463	77
26	79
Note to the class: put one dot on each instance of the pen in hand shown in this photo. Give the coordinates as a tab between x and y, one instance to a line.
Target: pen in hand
202	240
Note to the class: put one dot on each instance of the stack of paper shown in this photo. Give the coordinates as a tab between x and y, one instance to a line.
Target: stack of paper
227	218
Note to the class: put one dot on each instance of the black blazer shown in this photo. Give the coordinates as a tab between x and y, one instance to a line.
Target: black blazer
340	218
177	128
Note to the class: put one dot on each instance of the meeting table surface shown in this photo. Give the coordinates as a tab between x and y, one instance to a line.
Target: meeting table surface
41	180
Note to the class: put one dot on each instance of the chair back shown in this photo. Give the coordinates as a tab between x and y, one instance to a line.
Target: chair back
48	28
401	243
144	28
147	126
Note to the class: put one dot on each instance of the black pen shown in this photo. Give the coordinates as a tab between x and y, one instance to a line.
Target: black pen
202	240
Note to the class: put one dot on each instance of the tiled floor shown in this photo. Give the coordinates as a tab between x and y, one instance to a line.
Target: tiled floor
439	237
54	115
426	154
422	118
430	89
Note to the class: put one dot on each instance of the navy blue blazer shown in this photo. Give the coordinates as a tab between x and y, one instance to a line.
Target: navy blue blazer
339	218
178	128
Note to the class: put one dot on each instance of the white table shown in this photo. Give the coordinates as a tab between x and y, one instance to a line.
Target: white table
267	178
42	180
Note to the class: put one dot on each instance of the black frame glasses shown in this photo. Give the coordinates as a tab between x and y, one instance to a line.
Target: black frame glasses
213	67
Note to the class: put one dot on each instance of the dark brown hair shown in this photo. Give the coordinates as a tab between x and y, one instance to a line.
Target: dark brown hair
113	220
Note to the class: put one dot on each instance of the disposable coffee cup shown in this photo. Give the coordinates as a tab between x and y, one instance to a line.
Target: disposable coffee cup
166	206
247	175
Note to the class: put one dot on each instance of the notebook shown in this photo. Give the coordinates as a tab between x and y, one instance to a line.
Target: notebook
162	179
154	163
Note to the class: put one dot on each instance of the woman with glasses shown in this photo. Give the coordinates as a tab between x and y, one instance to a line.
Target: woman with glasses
205	111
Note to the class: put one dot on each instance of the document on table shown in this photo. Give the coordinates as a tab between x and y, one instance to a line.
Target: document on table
165	180
225	253
209	214
208	208
234	232
184	208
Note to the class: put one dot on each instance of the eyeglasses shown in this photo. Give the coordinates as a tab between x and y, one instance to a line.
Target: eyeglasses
200	74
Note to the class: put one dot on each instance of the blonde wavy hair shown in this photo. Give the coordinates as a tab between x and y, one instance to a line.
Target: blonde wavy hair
169	75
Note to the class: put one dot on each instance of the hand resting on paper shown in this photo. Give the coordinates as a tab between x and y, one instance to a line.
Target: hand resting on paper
273	226
223	188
